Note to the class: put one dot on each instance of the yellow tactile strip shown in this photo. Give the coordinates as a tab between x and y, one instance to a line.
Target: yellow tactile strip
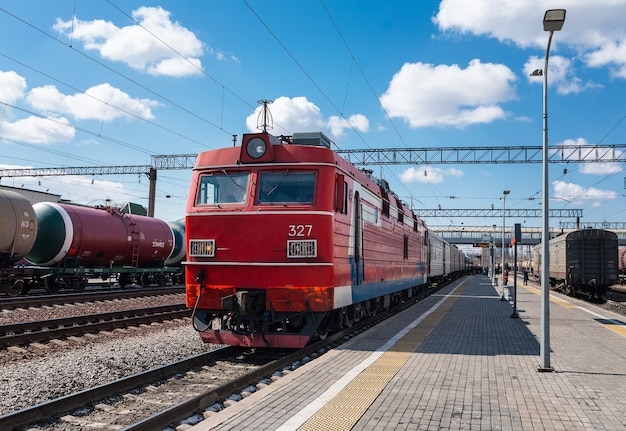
554	299
616	327
346	408
620	329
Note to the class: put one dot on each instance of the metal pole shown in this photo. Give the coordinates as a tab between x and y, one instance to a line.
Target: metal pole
514	314
152	175
503	225
544	350
493	259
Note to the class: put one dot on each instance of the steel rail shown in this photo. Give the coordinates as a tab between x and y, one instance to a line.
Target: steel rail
15	334
54	407
10	303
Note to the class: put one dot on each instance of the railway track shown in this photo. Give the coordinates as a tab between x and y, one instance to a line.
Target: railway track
181	391
11	303
615	300
18	334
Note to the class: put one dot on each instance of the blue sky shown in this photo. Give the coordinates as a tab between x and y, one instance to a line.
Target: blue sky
97	82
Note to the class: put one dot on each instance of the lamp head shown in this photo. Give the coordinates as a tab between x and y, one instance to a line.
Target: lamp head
553	19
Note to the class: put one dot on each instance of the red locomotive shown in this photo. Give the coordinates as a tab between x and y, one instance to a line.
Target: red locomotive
287	241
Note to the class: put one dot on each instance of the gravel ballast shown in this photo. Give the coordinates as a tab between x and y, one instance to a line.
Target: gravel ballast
31	381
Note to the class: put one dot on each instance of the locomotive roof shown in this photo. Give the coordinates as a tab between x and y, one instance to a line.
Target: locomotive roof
305	148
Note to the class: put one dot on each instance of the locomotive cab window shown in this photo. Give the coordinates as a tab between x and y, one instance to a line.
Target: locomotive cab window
222	188
286	187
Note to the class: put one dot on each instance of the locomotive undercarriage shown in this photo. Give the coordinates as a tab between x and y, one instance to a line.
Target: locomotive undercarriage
246	314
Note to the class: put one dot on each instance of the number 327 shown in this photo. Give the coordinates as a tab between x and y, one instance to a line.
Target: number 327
300	229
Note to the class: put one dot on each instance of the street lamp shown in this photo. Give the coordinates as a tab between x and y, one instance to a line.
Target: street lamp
552	21
506	192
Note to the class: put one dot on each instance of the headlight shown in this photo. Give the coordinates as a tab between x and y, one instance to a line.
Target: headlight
202	247
256	148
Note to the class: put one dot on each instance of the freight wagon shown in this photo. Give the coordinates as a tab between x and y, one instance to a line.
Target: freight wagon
60	246
584	261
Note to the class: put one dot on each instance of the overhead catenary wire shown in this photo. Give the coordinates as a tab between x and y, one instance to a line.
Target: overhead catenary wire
118	73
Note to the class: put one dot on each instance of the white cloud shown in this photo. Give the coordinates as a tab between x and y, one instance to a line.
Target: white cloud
561	74
611	54
32	129
287	116
176	67
425	94
337	124
504	20
138	48
12	85
101	102
298	114
428	174
571	192
595	30
38	130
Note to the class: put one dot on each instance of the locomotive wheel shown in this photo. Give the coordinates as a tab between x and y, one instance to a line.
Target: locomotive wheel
348	318
348	321
50	285
17	288
322	333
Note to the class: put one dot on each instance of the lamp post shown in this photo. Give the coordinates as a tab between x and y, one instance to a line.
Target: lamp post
553	21
506	192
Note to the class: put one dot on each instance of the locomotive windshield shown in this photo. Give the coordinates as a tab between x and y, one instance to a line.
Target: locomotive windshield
222	187
286	187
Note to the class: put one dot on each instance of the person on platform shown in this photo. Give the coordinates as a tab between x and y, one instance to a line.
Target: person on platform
525	276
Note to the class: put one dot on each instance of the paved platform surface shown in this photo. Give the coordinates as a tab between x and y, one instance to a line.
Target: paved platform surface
456	361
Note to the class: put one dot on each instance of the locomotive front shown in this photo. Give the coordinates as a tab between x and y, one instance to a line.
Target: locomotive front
259	225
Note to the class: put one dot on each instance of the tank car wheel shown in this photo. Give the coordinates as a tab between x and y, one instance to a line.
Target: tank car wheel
50	285
123	280
144	280
80	284
17	288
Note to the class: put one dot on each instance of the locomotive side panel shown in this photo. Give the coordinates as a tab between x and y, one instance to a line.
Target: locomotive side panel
392	252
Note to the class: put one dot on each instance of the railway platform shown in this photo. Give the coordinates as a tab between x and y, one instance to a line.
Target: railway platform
455	361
